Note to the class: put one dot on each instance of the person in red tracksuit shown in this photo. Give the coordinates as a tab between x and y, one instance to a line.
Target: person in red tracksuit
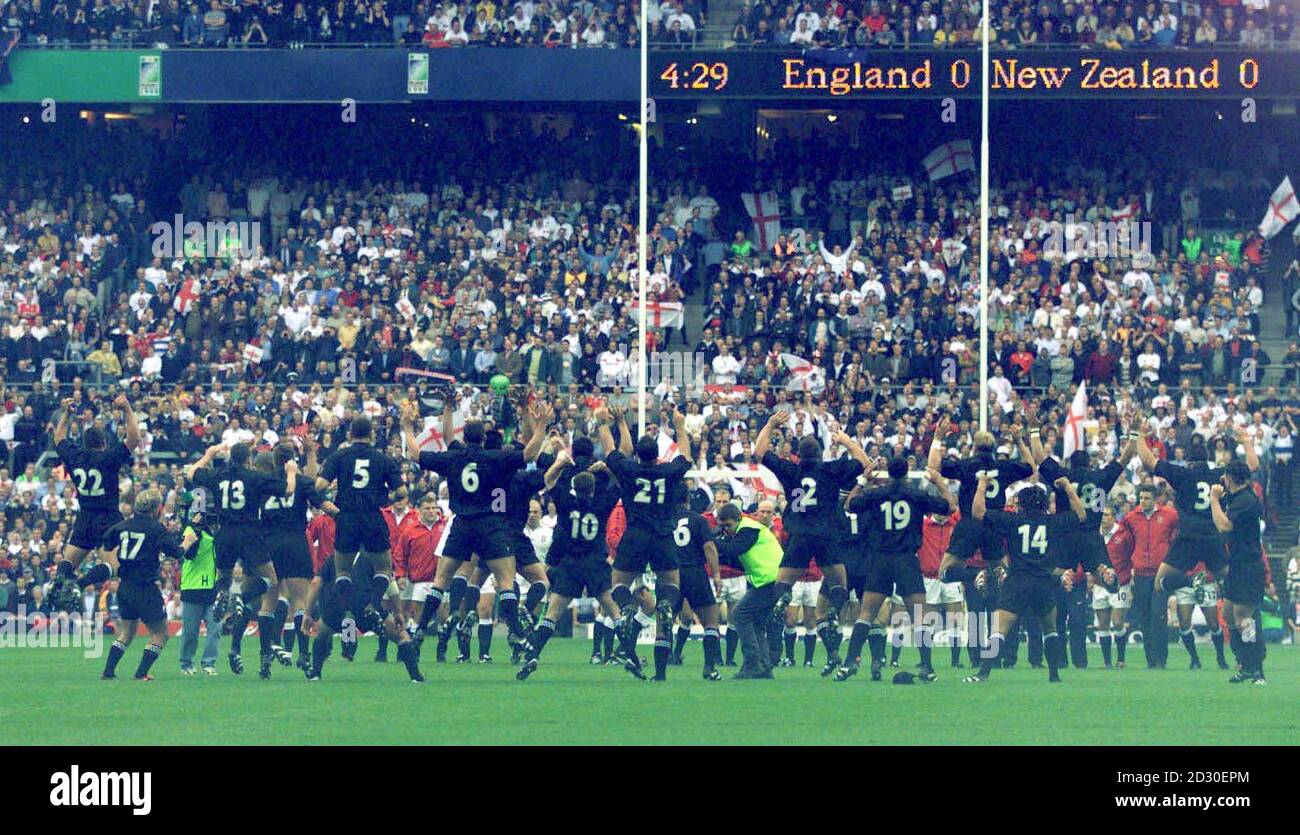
1111	608
1153	527
415	555
320	540
393	515
936	534
321	532
731	581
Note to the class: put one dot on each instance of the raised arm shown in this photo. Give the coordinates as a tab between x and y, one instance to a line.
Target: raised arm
624	434
132	425
764	440
935	459
1221	520
411	443
540	415
290	477
941	485
1076	503
61	428
1248	444
1025	450
855	451
552	475
205	461
1149	459
977	505
312	466
603	419
683	439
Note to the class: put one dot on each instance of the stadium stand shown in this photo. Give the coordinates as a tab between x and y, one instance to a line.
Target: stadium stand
473	260
278	24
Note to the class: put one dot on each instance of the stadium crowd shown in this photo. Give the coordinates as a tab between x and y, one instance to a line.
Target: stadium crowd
932	24
275	23
448	272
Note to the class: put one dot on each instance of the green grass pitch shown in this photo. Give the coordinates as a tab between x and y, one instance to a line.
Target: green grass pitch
55	697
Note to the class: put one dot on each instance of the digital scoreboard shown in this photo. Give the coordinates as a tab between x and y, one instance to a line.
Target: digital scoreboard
836	74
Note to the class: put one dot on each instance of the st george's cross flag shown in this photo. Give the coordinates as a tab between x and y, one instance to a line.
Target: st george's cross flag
1073	436
765	211
1283	208
948	159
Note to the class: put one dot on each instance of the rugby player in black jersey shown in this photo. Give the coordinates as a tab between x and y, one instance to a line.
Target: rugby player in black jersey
972	535
94	466
1236	511
478	481
1036	541
362	478
1198	537
697	556
646	487
520	490
578	552
237	493
131	550
284	521
893	515
815	520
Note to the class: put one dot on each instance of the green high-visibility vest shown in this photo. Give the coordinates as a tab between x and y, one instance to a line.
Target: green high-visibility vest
763	560
200	572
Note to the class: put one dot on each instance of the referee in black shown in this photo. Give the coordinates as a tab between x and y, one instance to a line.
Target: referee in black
1237	511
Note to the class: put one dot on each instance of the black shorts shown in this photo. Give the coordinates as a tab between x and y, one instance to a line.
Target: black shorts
525	554
853	554
805	547
1187	551
857	582
244	542
972	535
289	554
140	601
361	530
1245	583
488	537
638	549
1026	595
1085	548
332	609
91	525
572	576
697	588
898	573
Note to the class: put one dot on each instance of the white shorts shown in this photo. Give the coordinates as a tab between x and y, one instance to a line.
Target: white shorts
805	593
418	592
1186	596
1121	598
938	593
733	588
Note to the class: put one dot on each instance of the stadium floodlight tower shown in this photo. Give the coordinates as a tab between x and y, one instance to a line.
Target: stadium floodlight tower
984	218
